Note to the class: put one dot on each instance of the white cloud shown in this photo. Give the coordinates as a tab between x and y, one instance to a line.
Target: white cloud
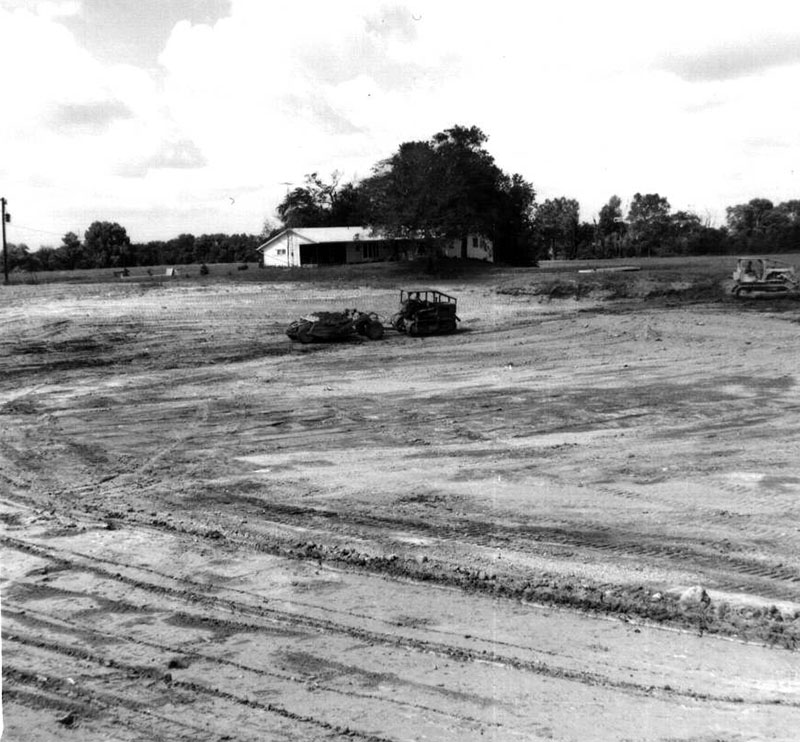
63	9
583	99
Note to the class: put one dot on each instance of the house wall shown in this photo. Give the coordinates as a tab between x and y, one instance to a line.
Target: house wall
478	248
284	253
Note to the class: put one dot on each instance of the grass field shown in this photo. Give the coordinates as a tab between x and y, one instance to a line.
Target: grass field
694	269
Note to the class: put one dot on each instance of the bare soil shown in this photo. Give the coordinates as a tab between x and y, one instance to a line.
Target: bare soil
212	533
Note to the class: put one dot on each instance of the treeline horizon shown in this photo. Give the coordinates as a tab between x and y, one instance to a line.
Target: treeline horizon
106	245
757	227
442	189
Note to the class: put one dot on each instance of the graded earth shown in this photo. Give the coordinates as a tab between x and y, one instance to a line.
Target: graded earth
570	520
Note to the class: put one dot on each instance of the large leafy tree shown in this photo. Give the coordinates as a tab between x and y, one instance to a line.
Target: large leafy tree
107	244
470	183
403	193
686	229
610	221
445	188
759	226
648	222
750	219
71	251
515	233
183	249
557	222
349	206
610	228
19	257
304	206
318	203
791	209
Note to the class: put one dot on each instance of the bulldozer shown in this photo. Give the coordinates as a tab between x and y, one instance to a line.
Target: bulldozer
425	312
755	277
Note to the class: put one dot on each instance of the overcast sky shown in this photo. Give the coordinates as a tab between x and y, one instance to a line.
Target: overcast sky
173	116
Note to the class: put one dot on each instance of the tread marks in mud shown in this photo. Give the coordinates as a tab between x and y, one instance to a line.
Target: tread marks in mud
186	590
84	705
727	570
745	496
452	652
150	673
133	714
723	567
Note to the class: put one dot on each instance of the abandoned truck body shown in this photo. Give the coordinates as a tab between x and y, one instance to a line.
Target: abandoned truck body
333	326
425	312
422	312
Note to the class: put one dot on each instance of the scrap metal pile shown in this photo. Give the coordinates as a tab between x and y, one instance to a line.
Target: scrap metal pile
332	326
422	312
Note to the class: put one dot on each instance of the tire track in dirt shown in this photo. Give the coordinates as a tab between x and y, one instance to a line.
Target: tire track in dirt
83	704
244	613
139	718
749	576
193	593
725	568
727	571
57	625
745	497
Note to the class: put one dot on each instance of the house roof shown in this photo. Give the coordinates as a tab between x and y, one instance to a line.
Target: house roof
328	234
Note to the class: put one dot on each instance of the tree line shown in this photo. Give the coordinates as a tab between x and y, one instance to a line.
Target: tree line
444	188
650	227
107	245
449	186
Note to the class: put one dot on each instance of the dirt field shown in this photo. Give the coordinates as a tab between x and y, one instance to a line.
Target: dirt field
210	533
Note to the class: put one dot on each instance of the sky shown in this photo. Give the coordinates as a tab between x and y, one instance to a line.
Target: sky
196	116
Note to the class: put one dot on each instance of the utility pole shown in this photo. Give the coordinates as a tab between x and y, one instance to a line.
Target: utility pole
288	234
5	218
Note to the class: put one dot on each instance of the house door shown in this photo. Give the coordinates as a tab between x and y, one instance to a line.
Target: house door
464	247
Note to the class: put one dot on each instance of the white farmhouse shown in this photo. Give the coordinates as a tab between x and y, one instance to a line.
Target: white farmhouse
471	247
343	245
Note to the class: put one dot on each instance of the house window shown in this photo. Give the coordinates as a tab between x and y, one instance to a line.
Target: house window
371	251
474	241
281	251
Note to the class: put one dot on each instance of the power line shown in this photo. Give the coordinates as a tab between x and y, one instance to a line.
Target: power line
41	231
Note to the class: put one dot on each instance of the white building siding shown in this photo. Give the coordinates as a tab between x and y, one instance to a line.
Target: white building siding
477	248
284	251
353	245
